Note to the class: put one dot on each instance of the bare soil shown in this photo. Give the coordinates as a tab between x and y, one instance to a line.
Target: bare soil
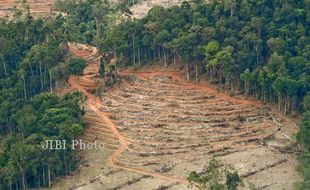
141	9
157	127
36	7
42	8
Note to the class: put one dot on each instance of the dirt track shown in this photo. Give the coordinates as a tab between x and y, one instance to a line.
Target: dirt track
157	125
93	103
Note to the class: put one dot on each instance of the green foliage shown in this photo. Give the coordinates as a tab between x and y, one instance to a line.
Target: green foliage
304	169
306	103
75	66
31	57
44	117
232	180
102	70
109	68
303	137
213	175
231	39
304	132
211	48
263	50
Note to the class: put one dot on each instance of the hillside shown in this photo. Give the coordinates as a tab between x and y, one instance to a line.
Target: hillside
180	94
157	127
36	7
45	7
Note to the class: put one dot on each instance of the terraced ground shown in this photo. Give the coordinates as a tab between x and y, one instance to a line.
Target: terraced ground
36	7
157	127
43	7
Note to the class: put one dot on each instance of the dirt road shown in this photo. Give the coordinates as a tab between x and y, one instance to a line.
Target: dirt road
93	103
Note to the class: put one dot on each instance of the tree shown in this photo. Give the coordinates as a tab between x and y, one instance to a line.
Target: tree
210	51
21	75
230	6
225	63
98	12
184	47
260	45
29	53
212	177
35	55
159	40
303	138
275	45
25	118
306	103
3	51
75	66
246	78
102	67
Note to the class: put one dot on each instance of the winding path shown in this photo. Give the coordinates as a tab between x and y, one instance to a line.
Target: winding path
93	103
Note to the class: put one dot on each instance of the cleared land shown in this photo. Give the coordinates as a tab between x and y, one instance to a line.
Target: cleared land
157	128
44	7
141	9
36	7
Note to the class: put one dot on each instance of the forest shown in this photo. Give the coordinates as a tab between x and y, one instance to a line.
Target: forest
260	48
32	58
256	48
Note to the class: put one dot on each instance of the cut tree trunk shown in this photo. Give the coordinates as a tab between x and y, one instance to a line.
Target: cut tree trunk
248	174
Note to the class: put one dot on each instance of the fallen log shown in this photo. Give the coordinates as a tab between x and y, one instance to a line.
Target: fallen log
248	174
164	187
130	182
265	186
166	167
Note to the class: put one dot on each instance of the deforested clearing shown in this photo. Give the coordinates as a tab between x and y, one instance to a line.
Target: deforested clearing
157	127
36	7
177	94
